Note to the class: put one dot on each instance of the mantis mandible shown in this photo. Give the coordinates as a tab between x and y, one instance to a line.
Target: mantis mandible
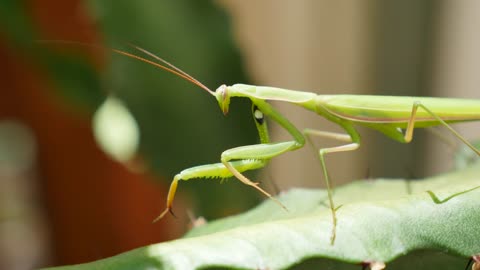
394	116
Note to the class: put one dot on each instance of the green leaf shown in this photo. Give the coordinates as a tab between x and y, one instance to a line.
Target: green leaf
378	221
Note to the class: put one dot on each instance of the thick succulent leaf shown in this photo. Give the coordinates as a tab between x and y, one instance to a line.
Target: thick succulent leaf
378	221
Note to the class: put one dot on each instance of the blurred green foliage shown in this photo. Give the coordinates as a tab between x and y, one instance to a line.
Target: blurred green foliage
74	76
13	15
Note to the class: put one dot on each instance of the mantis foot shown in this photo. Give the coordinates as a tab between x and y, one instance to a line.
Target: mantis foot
167	210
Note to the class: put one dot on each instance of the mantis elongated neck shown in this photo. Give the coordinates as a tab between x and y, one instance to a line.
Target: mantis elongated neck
304	99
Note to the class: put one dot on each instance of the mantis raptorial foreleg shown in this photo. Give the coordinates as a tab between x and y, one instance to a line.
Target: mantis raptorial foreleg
265	150
244	158
217	170
352	137
258	151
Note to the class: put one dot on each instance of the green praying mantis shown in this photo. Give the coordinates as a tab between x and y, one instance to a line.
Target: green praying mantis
396	117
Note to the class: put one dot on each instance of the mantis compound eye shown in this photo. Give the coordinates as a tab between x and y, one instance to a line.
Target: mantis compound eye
258	115
222	91
223	98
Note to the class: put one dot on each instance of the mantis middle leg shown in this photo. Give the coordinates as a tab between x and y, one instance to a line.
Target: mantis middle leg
353	139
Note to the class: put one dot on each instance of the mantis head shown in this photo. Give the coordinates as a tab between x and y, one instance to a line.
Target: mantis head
223	98
222	93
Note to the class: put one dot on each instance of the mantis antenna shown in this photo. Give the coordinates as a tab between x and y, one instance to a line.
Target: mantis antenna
169	67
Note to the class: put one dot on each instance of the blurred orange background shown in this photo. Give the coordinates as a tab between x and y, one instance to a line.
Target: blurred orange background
95	206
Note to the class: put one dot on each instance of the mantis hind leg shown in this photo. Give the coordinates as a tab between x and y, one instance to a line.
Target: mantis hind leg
411	126
354	142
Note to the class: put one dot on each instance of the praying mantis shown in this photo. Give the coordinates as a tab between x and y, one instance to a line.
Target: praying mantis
394	116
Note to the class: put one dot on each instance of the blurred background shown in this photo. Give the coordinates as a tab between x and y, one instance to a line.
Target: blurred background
90	140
